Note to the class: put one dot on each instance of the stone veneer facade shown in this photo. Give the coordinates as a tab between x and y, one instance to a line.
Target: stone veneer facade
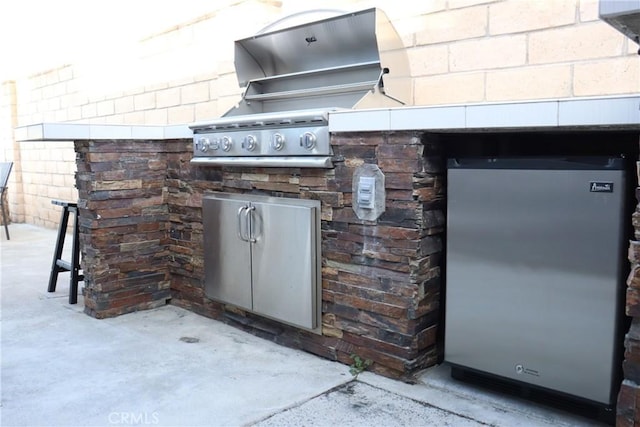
142	238
628	405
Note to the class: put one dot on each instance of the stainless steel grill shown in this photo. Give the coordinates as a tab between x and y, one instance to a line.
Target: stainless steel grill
293	78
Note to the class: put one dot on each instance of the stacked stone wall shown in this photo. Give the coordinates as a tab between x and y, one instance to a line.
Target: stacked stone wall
380	279
123	217
628	405
142	238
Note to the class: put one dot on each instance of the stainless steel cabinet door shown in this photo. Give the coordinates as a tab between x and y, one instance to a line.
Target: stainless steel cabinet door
284	262
227	258
262	254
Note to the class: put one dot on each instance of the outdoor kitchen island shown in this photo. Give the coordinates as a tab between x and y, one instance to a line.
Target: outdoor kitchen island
141	225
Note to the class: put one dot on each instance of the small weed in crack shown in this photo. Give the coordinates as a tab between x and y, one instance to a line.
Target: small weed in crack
359	365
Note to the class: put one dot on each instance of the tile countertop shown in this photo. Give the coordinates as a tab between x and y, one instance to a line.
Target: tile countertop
612	112
619	112
83	131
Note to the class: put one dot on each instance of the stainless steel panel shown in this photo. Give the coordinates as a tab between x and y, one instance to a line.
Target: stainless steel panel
533	276
284	262
263	254
266	162
333	62
332	42
623	15
263	120
227	259
292	142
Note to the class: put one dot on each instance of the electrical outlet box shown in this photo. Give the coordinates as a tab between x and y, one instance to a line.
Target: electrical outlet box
366	192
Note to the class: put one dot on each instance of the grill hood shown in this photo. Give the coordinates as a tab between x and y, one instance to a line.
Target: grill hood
623	15
355	60
293	77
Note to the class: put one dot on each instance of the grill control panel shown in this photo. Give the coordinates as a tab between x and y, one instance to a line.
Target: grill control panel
296	141
285	139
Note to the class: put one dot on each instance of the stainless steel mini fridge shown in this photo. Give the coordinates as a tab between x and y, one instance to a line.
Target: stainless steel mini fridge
534	271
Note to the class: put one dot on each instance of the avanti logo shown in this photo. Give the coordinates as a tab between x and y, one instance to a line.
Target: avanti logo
601	187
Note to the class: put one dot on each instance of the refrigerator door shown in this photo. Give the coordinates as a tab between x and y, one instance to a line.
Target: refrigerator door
534	273
284	261
227	258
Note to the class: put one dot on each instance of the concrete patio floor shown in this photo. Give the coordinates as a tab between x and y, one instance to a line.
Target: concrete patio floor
171	367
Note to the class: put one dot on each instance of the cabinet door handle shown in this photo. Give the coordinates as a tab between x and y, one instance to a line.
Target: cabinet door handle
249	220
239	225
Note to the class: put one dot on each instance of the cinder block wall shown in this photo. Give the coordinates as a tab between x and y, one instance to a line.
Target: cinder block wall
460	51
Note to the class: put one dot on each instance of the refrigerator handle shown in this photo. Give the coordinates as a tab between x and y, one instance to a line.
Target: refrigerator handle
239	224
248	221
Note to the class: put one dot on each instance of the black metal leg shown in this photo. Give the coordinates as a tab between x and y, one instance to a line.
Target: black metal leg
55	269
75	262
59	265
4	215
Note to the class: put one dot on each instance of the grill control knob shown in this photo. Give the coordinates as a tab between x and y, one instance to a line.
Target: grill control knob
226	143
308	140
250	143
277	142
203	144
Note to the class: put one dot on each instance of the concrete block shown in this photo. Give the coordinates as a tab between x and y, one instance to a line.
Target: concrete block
62	115
226	85
485	54
74	113
155	87
456	4
48	92
227	102
193	93
605	77
156	117
428	60
206	76
65	73
123	105
117	119
89	110
105	108
588	10
168	97
78	98
575	43
514	16
144	101
451	25
449	89
529	83
134	118
181	114
206	110
52	104
59	89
